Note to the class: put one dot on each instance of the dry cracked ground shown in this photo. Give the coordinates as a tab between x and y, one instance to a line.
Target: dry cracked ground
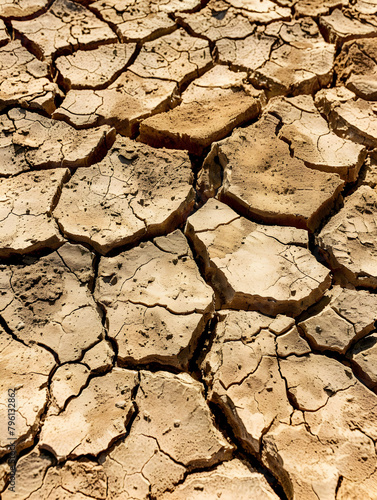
188	249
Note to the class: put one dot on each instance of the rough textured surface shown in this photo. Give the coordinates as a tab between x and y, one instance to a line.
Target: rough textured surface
24	81
363	357
366	7
67	25
47	302
94	69
172	433
196	322
370	172
284	278
13	9
198	121
134	192
142	20
30	471
218	20
311	140
289	57
352	118
29	141
178	57
348	316
17	367
123	104
76	432
349	238
4	37
159	316
246	54
38	478
301	64
358	67
100	357
278	189
26	204
339	28
232	20
67	382
243	374
231	480
317	7
335	440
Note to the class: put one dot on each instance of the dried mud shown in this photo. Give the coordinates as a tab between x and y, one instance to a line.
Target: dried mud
188	249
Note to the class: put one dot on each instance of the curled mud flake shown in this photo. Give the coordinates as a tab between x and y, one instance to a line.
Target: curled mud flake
291	343
199	121
51	307
134	192
65	26
339	28
79	429
282	277
178	57
157	304
94	69
122	105
349	240
254	172
357	67
349	117
25	369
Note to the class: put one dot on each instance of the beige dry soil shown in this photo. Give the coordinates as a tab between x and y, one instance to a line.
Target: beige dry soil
188	249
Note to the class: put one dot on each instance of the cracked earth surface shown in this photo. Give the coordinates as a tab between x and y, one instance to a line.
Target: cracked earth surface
188	249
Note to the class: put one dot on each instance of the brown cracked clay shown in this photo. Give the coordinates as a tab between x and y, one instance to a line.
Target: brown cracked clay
196	322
